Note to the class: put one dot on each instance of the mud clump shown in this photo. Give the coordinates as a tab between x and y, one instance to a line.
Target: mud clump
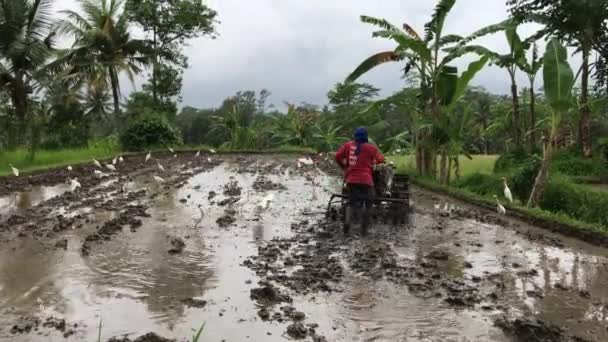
227	219
177	246
29	324
297	331
268	295
232	189
262	183
438	255
149	337
194	303
533	330
62	244
114	226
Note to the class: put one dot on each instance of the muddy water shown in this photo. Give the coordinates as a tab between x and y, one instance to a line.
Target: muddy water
132	285
27	199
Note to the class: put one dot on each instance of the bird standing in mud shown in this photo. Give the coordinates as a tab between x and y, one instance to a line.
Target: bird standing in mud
74	184
114	161
160	167
148	156
120	160
499	208
198	154
111	167
507	191
97	163
171	150
98	173
158	179
69	168
15	170
264	204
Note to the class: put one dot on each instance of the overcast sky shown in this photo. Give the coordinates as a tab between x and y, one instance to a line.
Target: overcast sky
298	49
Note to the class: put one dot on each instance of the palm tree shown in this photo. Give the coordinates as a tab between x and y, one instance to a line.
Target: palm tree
430	57
26	41
103	45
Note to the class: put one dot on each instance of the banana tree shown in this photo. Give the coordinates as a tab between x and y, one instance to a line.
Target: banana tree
558	81
531	69
430	58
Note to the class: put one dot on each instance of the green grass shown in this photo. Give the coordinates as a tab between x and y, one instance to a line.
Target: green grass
554	221
479	163
46	159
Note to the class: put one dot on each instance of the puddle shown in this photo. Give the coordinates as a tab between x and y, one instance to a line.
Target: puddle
133	285
27	199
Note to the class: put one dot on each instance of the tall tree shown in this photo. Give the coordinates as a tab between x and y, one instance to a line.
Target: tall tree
558	81
169	24
26	40
440	86
580	23
102	45
531	69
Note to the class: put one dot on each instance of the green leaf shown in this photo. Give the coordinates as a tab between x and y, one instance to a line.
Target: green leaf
466	77
372	62
447	83
435	26
406	43
557	75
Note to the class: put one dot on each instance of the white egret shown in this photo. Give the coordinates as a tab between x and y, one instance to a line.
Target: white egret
299	165
114	161
148	156
160	167
120	160
98	173
15	170
198	154
70	168
171	150
437	206
111	167
499	207
74	184
507	191
98	164
209	160
159	180
175	156
446	207
264	204
212	151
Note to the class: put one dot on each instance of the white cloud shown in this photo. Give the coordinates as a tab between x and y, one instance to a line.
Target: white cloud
299	49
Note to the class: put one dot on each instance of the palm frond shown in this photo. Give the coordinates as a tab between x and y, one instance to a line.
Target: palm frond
383	23
372	62
410	30
435	26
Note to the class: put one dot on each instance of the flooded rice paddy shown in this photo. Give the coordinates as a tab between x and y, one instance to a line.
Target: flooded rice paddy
241	244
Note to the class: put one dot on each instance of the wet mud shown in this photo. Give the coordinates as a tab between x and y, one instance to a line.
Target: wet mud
153	261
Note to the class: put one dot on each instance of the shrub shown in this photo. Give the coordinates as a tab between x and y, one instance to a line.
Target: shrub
513	159
572	164
482	184
522	179
146	132
563	196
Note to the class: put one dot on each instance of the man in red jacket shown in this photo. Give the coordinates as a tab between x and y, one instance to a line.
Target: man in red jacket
357	158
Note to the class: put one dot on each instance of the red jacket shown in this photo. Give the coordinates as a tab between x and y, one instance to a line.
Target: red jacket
358	169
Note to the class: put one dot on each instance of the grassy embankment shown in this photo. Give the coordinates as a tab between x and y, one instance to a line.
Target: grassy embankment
592	230
48	159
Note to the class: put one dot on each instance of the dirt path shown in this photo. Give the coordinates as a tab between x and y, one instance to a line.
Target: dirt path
241	243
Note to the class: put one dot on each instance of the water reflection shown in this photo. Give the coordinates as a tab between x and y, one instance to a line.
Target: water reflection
30	198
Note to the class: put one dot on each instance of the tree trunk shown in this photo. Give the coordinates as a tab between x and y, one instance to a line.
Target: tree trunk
154	68
516	121
114	84
541	178
532	117
585	114
449	173
443	164
19	100
457	168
